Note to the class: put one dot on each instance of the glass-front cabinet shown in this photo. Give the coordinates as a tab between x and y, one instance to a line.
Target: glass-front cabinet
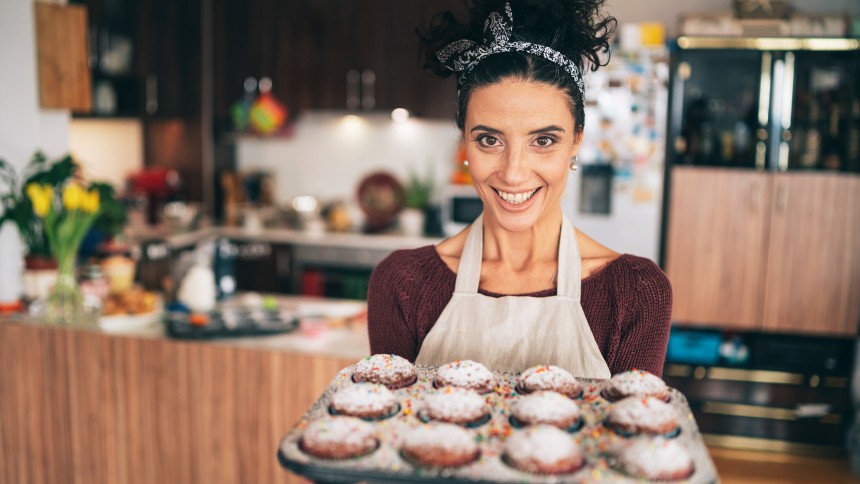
767	104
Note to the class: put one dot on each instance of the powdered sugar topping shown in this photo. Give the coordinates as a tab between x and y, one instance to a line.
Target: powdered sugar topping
449	403
542	443
647	411
363	399
440	436
637	382
549	377
545	407
655	458
466	374
386	369
340	430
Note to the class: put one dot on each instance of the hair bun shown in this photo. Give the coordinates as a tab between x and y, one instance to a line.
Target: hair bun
578	29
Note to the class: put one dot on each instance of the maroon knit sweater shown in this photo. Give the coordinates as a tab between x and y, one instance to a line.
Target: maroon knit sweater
628	305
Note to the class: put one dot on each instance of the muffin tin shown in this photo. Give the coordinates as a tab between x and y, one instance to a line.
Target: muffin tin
231	323
386	464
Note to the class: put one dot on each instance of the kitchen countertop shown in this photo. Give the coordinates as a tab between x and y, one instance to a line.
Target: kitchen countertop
349	341
386	242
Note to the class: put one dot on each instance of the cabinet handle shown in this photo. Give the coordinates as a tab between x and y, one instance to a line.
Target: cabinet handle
755	197
368	90
353	89
781	197
151	94
92	51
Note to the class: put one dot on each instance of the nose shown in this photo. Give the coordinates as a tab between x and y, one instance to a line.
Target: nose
515	169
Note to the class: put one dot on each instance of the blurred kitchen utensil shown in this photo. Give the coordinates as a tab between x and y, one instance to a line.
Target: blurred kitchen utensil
180	216
380	197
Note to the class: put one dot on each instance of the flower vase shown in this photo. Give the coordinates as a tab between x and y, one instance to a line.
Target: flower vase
65	303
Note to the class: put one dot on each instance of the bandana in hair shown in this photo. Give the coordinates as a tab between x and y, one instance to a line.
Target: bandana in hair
463	55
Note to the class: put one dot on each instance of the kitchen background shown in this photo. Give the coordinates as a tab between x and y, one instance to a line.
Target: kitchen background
273	115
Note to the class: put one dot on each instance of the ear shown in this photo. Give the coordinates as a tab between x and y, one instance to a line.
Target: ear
577	142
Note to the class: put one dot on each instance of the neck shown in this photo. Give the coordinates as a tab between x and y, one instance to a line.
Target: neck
518	250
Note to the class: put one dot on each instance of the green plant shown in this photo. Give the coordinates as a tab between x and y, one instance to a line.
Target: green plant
112	216
418	191
17	206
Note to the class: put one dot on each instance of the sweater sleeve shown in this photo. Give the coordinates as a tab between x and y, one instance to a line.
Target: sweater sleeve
647	319
388	327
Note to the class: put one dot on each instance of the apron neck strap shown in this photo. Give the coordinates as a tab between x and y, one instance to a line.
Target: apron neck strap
569	270
569	262
469	270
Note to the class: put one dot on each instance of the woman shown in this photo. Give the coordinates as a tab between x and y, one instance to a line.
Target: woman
574	303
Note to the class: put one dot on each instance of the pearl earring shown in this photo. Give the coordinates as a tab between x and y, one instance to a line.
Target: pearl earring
573	166
466	163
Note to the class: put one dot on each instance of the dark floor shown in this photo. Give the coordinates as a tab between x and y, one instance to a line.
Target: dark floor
742	466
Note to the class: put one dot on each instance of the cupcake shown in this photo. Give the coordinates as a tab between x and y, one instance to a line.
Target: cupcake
545	407
466	374
364	400
646	415
389	370
549	377
338	438
635	383
543	449
655	459
455	405
440	445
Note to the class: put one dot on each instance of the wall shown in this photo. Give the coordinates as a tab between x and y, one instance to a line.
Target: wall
330	153
107	150
24	127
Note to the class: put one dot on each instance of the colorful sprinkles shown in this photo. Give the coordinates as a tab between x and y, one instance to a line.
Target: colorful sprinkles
602	446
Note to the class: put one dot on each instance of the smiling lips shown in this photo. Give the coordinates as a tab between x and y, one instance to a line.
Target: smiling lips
516	198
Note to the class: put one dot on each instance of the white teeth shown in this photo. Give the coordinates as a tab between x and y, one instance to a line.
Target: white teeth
518	198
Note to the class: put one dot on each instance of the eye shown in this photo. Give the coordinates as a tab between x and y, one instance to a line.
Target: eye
488	141
545	141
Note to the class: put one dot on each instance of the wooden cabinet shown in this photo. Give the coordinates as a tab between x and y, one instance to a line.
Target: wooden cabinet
168	64
64	77
308	48
715	244
813	261
112	50
750	250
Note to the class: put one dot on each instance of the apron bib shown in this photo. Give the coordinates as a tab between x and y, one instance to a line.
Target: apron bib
513	333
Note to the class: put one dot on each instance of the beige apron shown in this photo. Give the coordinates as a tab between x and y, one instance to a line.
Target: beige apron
512	333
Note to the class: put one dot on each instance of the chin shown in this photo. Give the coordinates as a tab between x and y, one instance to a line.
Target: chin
515	222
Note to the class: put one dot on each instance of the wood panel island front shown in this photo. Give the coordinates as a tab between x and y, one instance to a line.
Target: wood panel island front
86	406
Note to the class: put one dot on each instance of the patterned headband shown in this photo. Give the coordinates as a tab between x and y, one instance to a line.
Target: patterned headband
463	55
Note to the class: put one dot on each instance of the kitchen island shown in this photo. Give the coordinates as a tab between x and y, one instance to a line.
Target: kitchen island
80	404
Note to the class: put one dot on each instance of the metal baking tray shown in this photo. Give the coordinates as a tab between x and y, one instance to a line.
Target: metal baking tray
231	323
387	465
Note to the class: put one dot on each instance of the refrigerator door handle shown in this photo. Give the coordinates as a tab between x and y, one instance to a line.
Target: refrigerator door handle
786	111
763	110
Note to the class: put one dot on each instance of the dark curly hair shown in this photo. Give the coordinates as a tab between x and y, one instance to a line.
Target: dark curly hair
578	29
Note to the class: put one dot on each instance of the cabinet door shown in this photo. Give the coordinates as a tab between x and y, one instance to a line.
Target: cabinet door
169	40
813	265
61	38
405	83
716	245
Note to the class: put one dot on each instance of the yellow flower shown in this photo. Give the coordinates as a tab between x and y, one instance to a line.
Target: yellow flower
73	196
40	197
90	201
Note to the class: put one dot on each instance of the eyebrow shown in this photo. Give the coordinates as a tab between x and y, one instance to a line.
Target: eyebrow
545	129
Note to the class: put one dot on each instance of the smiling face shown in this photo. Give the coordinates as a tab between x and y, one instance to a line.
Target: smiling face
520	138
